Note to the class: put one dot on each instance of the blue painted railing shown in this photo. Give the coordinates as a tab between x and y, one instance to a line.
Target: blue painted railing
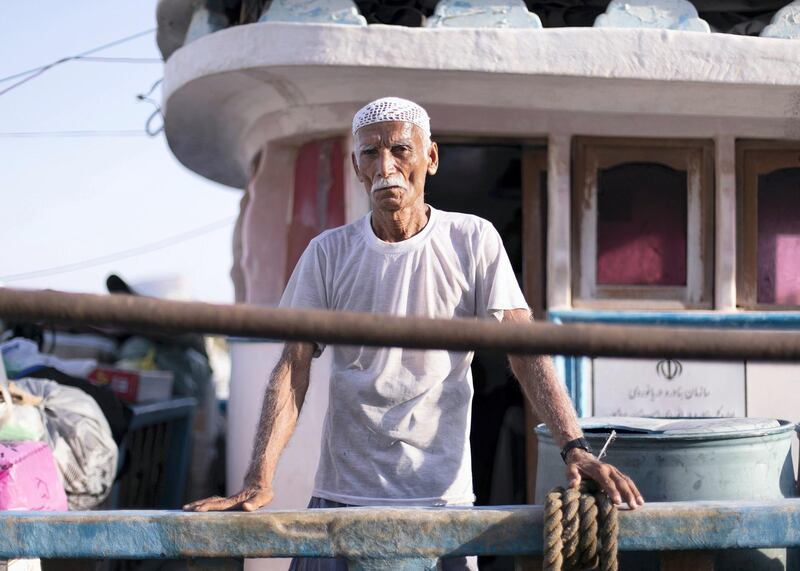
382	538
740	320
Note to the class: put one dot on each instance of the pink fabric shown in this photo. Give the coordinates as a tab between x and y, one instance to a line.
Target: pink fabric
641	226
29	478
779	237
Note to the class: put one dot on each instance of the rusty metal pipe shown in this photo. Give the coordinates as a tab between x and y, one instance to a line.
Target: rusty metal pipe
345	328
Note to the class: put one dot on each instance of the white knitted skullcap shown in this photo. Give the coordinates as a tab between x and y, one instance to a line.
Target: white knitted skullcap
392	109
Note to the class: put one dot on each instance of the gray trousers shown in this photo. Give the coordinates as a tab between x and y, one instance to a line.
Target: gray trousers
339	564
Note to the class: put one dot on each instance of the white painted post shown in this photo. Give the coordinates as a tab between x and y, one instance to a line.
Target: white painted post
559	287
725	225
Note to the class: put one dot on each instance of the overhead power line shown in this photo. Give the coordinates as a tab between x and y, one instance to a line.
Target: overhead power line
149	130
94	59
148	126
99	133
33	73
123	254
87	59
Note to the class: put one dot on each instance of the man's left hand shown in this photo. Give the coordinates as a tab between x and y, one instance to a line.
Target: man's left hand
619	487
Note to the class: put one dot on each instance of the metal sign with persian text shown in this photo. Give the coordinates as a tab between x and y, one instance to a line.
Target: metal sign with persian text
668	388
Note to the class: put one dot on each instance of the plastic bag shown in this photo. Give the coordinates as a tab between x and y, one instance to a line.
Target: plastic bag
81	439
29	479
22	354
18	421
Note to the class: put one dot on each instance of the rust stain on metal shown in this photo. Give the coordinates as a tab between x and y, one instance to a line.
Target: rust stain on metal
333	327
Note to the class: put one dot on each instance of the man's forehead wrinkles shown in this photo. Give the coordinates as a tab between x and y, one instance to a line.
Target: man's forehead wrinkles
384	140
387	129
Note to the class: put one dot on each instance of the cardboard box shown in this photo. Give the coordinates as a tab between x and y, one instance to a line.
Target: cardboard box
135	386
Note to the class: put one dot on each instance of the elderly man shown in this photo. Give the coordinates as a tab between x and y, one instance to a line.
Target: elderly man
397	428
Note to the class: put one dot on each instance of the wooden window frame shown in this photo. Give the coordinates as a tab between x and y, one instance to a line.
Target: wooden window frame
696	157
534	271
534	229
754	158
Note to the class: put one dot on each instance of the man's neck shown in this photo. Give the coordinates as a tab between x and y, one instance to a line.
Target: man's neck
401	224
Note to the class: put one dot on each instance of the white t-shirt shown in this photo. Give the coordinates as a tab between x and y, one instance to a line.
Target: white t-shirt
397	427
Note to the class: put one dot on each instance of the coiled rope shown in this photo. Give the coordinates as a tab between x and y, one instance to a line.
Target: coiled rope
580	530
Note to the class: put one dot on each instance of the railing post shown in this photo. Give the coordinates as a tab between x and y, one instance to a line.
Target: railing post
407	564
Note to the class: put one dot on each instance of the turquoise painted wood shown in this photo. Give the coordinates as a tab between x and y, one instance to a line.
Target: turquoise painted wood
745	320
375	536
785	23
661	14
483	14
342	12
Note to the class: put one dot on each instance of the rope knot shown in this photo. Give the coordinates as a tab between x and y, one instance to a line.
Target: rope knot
580	529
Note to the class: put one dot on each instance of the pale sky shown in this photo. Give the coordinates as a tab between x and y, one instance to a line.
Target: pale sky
65	200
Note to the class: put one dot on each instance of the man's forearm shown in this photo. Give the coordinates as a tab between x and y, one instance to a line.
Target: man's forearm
549	399
543	389
283	401
547	395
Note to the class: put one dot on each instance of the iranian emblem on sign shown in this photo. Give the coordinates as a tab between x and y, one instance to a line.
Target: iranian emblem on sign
669	369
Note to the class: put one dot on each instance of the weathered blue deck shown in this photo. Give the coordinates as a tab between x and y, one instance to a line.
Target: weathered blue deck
364	534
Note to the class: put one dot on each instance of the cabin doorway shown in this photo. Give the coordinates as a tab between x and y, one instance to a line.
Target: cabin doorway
505	184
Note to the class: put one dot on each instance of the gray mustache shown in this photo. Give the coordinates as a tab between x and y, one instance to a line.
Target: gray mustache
392	180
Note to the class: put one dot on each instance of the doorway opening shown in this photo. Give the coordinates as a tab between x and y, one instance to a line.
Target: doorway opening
506	185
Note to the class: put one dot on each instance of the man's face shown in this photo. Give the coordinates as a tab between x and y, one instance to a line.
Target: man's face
392	160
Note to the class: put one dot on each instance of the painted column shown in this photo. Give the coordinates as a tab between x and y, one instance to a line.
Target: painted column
559	290
237	269
318	195
293	195
264	225
725	225
284	206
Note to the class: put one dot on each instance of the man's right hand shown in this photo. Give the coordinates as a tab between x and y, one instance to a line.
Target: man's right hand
249	499
283	400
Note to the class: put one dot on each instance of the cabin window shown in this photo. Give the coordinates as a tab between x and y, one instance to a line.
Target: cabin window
642	223
641	215
769	225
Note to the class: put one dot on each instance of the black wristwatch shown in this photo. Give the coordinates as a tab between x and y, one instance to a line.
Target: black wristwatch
577	443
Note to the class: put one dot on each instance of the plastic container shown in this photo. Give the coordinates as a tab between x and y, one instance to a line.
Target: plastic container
135	386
